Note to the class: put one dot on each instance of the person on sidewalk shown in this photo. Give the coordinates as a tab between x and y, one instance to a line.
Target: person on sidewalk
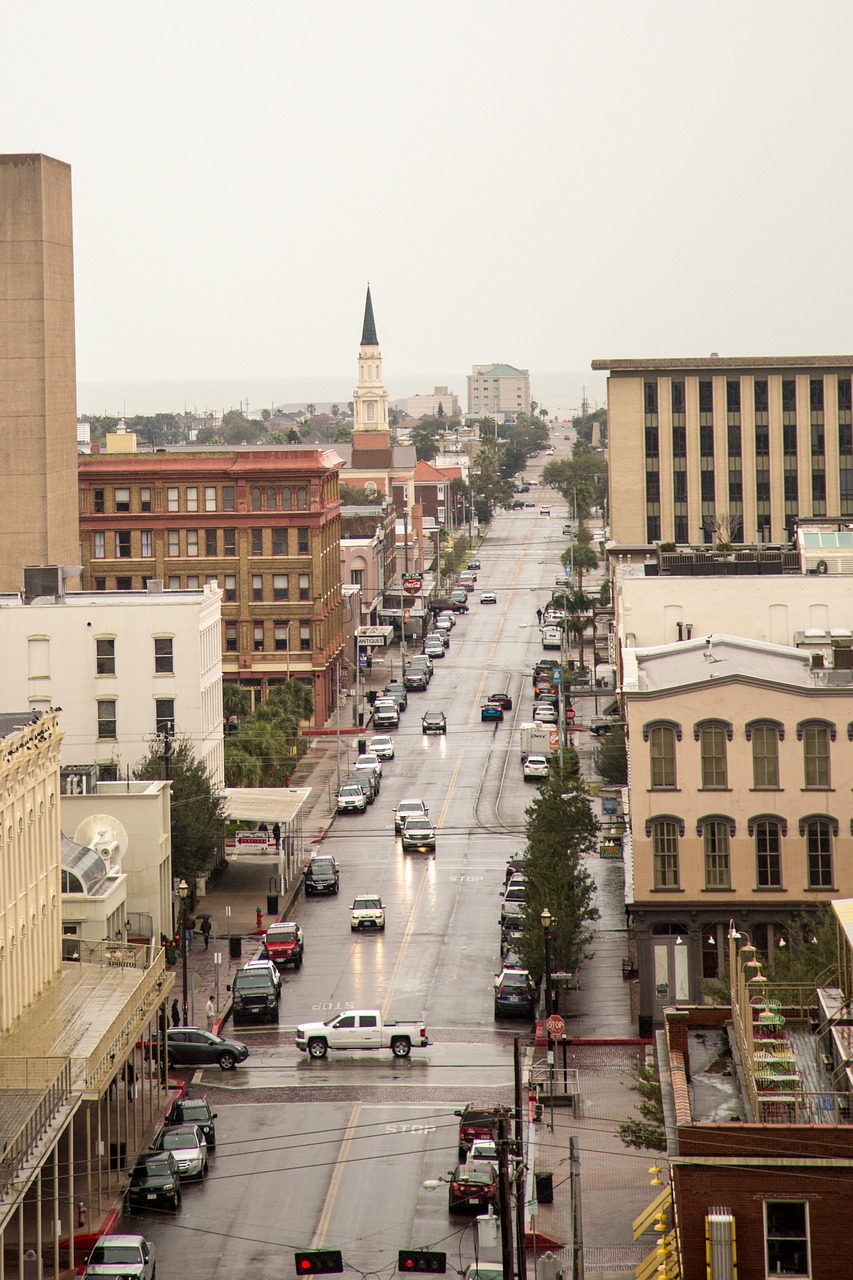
210	1010
189	926
205	931
176	1013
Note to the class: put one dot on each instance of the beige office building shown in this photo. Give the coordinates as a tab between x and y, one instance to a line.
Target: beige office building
727	450
38	409
498	388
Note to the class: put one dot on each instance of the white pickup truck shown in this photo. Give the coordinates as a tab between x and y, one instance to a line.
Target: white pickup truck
360	1029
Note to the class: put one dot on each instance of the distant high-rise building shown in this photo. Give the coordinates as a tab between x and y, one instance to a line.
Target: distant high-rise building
498	388
38	401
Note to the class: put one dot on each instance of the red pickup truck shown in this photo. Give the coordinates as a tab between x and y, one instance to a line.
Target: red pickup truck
283	944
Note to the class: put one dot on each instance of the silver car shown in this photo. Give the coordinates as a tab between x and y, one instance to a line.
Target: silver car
188	1145
121	1256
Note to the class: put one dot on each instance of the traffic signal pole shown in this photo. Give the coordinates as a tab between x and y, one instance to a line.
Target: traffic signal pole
520	1181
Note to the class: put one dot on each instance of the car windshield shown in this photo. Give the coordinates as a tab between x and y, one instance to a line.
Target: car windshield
252	979
350	791
410	806
366	904
112	1253
194	1111
417	824
433	717
481	1174
177	1139
281	935
514	980
516	893
380	742
152	1169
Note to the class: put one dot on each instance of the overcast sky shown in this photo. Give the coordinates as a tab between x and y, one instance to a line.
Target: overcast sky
541	183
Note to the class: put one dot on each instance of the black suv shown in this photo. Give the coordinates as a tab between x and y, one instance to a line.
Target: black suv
193	1111
254	994
415	679
155	1181
321	876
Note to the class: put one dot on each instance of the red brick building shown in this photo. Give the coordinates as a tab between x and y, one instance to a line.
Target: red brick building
263	522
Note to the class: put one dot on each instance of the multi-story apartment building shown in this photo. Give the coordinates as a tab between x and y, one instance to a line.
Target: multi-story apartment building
740	804
263	523
124	666
498	388
727	450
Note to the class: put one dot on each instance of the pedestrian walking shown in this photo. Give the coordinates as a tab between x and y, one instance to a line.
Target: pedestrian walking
205	931
276	830
539	616
210	1010
130	1077
176	1013
189	930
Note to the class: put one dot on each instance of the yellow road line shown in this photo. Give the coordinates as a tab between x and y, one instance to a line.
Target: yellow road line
337	1176
475	710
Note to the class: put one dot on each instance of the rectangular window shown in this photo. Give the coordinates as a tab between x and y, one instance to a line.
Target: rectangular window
230	593
257	586
281	632
305	637
99	544
145	498
662	756
124	584
173	583
706	398
105	657
122	499
165	714
280	587
98	501
192	542
173	500
816	755
717	872
192	498
123	544
231	637
304	545
258	637
761	398
210	498
819	851
106	718
279	542
786	1237
230	536
665	850
164	661
174	542
765	756
192	582
768	855
100	584
146	542
210	542
304	586
257	542
228	497
712	746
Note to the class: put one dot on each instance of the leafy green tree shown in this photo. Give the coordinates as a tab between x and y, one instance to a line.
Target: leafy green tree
611	757
649	1133
427	437
343	435
236	701
265	750
561	830
198	813
235	428
266	415
581	480
490	486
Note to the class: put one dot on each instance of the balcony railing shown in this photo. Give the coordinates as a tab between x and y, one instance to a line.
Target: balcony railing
39	1087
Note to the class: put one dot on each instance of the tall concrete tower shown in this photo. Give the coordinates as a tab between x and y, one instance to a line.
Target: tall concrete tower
38	400
370	399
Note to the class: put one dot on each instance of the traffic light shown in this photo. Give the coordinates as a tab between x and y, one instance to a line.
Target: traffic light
422	1260
319	1262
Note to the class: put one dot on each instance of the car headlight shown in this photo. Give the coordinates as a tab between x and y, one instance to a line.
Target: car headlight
271	999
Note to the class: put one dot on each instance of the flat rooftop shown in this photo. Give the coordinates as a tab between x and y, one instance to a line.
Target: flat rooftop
713	362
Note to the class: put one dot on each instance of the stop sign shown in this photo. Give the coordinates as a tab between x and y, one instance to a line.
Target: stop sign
412	586
555	1024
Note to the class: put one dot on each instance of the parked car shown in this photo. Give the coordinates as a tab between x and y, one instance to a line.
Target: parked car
187	1144
416	679
367	912
473	1186
466	575
476	1123
443	636
192	1047
515	996
544	510
321	875
491	711
386	713
368	782
284	944
535	768
351	799
418	835
382	746
155	1182
264	962
396	689
446	618
545	713
516	863
125	1256
459	599
434	647
367	760
422	661
409	809
488	597
434	722
514	899
473	565
483	1149
254	994
193	1111
503	700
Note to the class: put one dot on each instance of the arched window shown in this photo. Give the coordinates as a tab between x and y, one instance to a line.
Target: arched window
816	736
256	499
370	411
664	832
712	736
302	499
765	736
661	736
285	500
818	831
716	830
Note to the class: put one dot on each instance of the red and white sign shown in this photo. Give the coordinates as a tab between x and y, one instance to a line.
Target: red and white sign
249	840
412	586
555	1024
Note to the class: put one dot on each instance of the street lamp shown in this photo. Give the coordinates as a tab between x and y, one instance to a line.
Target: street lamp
183	892
547	920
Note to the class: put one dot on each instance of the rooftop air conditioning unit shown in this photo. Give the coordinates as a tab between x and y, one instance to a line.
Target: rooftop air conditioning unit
42	580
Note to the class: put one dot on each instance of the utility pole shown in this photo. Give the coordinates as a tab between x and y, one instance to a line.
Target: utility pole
518	1125
505	1196
577	1218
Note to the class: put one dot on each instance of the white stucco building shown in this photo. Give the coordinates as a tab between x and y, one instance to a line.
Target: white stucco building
122	666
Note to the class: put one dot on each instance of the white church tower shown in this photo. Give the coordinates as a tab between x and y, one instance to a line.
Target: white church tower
370	399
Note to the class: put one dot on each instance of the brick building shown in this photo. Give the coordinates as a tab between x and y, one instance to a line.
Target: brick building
262	522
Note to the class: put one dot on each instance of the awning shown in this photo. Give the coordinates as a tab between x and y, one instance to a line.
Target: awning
264	804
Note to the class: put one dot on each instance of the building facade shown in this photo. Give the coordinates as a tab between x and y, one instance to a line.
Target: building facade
38	388
727	450
740	804
442	400
263	523
124	667
498	388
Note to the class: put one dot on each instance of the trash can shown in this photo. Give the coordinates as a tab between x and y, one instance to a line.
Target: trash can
272	904
362	746
235	946
545	1188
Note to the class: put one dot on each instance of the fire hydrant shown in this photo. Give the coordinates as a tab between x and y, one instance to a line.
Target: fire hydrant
259	923
82	1213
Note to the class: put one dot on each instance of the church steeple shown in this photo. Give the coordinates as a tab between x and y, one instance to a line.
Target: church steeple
370	399
368	332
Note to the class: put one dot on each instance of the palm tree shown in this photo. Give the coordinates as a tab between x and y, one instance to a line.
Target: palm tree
310	410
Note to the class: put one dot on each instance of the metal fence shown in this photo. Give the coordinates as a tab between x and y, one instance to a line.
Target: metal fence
51	1078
